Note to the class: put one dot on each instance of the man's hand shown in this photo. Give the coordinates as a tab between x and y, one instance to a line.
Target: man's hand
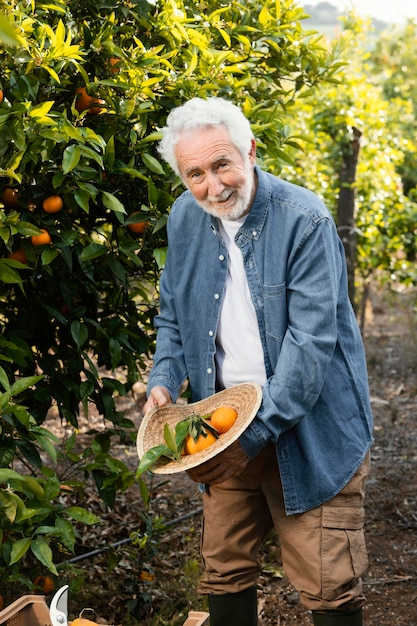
159	396
227	464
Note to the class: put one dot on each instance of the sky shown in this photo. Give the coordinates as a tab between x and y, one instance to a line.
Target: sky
391	11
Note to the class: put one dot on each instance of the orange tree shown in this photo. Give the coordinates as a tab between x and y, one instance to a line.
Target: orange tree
84	94
382	229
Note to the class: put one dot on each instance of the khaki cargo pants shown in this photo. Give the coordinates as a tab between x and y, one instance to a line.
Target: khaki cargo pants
323	550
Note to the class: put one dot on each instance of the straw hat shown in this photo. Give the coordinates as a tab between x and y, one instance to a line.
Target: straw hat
244	398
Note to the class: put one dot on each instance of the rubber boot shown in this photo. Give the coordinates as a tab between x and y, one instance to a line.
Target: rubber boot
234	609
338	618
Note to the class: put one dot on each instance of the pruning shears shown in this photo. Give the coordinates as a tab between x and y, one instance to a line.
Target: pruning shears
58	609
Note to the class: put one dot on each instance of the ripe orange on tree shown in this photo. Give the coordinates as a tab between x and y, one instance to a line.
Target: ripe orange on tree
45	582
114	65
1	95
202	442
10	198
85	102
52	204
42	239
18	255
139	226
223	418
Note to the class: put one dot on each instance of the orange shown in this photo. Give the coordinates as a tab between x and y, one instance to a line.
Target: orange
84	101
223	418
45	583
82	621
18	255
52	204
138	227
114	65
10	198
1	95
42	239
203	442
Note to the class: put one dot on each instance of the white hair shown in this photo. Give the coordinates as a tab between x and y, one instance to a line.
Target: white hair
200	113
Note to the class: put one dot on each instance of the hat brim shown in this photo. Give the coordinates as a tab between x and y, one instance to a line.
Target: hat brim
245	398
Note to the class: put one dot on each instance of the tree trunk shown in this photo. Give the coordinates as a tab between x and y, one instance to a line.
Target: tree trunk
346	208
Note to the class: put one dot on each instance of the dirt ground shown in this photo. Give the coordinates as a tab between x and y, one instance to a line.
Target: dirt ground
165	585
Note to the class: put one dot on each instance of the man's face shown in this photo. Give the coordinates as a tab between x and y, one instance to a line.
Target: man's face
220	179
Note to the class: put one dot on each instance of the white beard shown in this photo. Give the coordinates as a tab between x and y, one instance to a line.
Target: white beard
240	205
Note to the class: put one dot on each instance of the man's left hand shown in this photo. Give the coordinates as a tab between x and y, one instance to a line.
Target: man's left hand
227	464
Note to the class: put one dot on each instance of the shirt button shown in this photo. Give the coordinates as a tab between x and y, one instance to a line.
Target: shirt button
254	233
216	296
211	333
221	257
209	370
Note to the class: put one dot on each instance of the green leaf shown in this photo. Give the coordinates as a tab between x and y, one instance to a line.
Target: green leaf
152	164
4	381
79	333
150	457
82	197
81	515
169	437
8	274
41	109
115	352
93	251
9	504
43	553
24	383
19	549
71	158
160	255
111	202
48	256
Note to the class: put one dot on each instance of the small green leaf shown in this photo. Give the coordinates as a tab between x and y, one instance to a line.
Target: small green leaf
169	437
111	202
150	457
81	515
71	158
19	549
79	333
152	164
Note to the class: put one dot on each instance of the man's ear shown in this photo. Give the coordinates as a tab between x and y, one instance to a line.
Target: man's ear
252	152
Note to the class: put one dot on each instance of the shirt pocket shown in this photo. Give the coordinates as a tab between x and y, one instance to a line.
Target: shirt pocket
275	310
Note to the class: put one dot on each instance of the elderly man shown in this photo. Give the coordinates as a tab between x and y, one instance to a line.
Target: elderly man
255	289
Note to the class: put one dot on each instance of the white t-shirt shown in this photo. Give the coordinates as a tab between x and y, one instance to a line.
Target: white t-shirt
239	353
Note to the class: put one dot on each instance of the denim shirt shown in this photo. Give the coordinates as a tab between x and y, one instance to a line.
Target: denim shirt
315	404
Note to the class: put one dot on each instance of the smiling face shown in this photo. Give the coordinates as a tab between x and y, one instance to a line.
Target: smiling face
221	180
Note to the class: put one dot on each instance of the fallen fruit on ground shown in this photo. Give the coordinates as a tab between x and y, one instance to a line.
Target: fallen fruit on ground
223	418
52	204
42	239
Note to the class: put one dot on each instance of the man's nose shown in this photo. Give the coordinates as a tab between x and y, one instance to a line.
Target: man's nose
215	184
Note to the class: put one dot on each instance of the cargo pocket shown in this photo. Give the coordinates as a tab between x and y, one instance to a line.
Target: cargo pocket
344	553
